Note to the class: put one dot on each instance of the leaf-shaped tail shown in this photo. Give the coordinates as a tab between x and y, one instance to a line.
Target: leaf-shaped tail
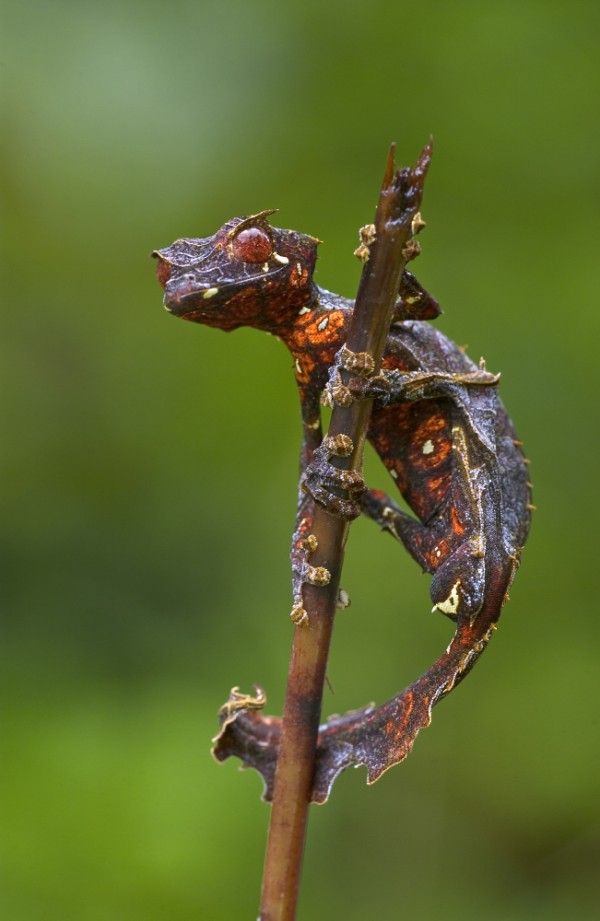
376	737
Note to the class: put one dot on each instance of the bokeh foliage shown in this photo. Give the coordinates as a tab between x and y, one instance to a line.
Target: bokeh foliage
148	474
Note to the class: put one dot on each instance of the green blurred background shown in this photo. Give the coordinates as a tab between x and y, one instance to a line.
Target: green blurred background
149	473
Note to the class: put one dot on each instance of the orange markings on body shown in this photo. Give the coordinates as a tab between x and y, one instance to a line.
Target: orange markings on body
402	723
431	426
455	522
434	484
299	276
427	494
304	368
306	333
430	446
312	346
394	363
439	553
386	424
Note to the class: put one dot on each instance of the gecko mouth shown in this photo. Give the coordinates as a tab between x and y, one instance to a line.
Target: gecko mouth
186	295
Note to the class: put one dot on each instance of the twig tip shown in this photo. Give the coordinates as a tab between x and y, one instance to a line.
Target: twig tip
390	165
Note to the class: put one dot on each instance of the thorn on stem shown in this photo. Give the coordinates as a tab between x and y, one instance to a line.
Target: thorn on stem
310	543
417	224
390	166
318	575
343	600
298	615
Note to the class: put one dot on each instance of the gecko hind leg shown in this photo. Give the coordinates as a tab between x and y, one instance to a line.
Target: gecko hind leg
417	538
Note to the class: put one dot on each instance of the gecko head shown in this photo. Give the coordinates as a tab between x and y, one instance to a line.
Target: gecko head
247	274
457	587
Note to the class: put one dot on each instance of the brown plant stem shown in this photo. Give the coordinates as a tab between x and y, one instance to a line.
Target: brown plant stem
399	201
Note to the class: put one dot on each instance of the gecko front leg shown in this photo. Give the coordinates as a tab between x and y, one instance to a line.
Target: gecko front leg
462	388
393	386
337	489
400	386
304	543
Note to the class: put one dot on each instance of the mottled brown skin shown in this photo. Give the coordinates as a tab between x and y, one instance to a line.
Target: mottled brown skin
448	445
439	428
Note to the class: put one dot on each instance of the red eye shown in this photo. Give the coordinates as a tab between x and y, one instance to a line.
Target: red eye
253	245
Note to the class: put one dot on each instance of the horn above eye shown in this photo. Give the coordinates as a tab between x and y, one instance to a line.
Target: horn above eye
252	245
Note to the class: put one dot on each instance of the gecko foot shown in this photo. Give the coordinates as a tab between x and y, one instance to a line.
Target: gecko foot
338	491
360	367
